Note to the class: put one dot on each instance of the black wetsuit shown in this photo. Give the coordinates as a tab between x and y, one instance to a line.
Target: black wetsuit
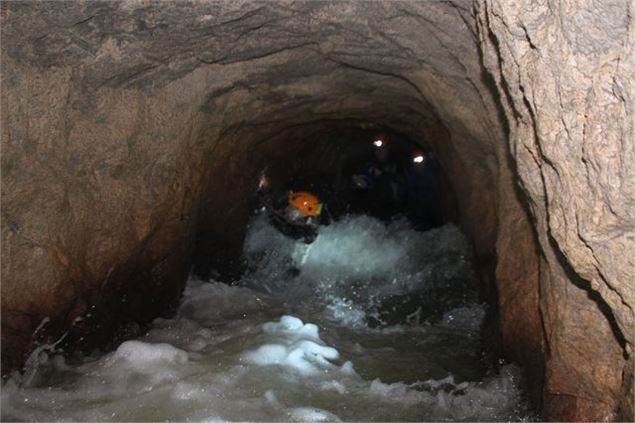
422	197
382	192
303	229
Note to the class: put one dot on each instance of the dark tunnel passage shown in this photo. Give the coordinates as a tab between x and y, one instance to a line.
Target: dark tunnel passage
340	163
134	139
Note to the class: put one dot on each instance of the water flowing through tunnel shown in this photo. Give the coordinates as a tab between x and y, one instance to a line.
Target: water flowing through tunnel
133	135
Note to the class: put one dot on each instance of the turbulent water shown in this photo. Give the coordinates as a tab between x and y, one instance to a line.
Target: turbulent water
368	323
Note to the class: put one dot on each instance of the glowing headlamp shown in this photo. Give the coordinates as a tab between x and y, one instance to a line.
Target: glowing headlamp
418	159
378	143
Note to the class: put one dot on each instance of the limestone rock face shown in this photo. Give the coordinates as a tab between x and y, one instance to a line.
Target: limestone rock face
133	134
566	76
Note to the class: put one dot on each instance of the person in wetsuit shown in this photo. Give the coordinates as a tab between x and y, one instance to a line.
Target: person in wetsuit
378	185
299	217
421	191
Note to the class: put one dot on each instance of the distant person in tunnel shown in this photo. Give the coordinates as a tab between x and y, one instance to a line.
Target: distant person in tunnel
421	190
297	214
377	187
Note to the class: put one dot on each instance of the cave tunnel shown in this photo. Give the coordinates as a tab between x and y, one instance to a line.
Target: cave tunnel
134	133
321	157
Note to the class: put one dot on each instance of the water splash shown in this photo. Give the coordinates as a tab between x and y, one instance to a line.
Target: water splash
294	342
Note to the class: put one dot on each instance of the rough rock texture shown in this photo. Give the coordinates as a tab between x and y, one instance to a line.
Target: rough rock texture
565	71
133	134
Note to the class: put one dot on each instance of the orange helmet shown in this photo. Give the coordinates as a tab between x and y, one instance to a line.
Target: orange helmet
306	202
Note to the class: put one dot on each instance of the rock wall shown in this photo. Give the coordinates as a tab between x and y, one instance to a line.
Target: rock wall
131	130
565	74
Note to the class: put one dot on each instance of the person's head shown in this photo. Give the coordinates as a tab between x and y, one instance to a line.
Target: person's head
263	181
381	146
305	202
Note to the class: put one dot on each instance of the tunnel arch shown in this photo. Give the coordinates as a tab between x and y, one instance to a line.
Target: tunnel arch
121	121
299	151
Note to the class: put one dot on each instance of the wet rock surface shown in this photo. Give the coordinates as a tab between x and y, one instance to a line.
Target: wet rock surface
132	135
566	74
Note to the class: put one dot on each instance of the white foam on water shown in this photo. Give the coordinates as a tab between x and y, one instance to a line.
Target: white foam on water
289	347
361	247
141	355
356	262
307	414
298	346
346	312
496	398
